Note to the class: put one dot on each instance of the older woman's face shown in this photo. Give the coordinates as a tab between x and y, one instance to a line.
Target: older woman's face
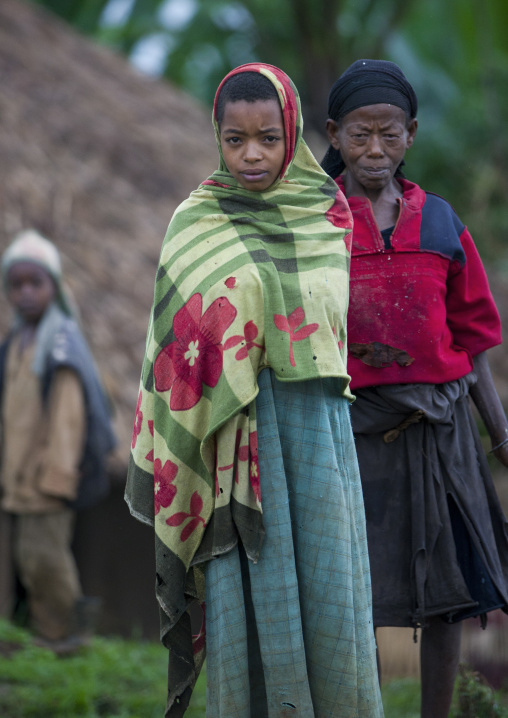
372	141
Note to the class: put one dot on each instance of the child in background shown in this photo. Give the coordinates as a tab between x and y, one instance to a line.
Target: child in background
242	429
56	433
420	319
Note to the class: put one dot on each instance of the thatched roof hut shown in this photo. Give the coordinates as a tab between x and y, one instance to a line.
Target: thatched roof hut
96	157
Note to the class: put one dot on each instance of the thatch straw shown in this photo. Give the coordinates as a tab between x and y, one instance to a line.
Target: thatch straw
96	157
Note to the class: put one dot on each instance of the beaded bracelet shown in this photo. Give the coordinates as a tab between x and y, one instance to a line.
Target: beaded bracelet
495	448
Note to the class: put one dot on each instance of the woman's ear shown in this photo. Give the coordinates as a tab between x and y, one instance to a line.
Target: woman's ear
411	132
332	130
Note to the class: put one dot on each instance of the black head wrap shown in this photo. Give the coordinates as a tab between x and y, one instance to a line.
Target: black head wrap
367	82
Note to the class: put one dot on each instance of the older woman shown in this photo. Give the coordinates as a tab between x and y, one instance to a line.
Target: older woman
421	317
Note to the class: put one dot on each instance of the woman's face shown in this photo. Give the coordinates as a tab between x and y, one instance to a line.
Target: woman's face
253	142
30	290
372	141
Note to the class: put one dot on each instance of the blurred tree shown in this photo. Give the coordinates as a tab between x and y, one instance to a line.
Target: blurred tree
459	66
454	53
85	15
195	42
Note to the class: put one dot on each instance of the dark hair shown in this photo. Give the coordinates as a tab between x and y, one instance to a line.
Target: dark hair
248	86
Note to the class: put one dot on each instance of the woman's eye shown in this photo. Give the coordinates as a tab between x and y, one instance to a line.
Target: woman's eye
272	138
233	140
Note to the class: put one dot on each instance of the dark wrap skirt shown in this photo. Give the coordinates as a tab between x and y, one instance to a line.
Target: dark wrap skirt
437	536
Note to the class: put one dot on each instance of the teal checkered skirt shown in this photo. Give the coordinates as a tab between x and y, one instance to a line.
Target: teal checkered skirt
293	633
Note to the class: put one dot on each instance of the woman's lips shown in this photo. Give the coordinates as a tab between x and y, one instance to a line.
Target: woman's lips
253	175
375	170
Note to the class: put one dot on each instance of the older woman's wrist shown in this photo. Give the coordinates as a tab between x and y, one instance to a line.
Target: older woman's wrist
498	441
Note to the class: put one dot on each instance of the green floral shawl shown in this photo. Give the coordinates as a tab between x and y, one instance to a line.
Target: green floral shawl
246	280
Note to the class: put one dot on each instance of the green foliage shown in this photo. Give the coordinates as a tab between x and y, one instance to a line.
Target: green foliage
113	678
401	698
83	14
459	70
313	40
454	53
475	698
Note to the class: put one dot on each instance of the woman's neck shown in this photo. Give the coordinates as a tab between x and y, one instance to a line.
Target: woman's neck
384	201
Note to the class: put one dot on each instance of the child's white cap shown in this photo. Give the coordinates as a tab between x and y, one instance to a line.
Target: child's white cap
30	246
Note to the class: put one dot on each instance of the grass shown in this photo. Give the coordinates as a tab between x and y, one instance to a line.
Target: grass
115	678
472	698
401	698
111	678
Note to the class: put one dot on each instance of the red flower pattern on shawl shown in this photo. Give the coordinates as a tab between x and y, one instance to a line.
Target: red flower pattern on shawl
194	357
217	485
196	507
255	480
138	421
250	332
241	452
244	453
289	325
213	183
340	343
340	215
149	456
164	491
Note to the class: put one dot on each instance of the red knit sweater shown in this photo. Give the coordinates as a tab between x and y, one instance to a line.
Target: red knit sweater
422	309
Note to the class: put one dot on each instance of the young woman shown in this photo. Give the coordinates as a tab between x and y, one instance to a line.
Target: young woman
243	427
421	317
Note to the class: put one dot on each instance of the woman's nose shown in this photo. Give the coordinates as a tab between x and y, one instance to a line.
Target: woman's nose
252	152
375	146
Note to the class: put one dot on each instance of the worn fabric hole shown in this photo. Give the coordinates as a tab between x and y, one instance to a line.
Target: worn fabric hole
380	355
288	705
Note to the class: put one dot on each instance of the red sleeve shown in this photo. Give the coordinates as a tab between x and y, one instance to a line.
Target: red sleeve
470	309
